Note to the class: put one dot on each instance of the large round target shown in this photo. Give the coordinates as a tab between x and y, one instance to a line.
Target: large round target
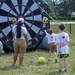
32	14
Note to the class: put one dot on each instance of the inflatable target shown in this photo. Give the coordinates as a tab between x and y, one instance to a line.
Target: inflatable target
31	12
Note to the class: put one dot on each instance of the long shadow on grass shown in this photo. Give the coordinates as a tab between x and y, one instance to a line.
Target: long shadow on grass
5	68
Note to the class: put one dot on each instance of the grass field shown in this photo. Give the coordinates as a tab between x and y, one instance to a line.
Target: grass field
31	66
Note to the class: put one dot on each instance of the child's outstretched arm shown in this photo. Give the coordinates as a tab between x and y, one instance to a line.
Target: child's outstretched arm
45	31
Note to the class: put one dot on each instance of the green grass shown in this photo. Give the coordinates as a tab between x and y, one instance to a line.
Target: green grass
31	66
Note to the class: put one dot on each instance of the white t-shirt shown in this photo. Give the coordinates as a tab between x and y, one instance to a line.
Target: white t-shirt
61	39
51	37
56	40
23	31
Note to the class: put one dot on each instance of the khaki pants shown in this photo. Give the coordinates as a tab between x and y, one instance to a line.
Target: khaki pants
52	47
19	45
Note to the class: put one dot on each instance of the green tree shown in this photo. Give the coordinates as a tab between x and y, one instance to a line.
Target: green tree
52	6
66	7
63	7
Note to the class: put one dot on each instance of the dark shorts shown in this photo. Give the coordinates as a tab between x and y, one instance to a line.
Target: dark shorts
63	55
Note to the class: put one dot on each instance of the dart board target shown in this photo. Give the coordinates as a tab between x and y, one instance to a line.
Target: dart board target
30	12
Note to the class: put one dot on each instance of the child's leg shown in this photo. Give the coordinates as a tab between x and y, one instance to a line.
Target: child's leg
50	48
48	57
60	63
65	63
55	56
49	54
55	53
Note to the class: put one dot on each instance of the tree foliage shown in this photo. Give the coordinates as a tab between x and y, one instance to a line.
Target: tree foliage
62	7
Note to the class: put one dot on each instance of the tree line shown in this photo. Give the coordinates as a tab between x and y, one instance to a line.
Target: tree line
61	7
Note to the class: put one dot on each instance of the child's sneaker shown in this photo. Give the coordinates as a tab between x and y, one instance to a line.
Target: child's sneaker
59	71
47	61
65	70
13	65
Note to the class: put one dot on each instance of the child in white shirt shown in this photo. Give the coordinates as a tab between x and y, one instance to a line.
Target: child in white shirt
52	44
63	49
